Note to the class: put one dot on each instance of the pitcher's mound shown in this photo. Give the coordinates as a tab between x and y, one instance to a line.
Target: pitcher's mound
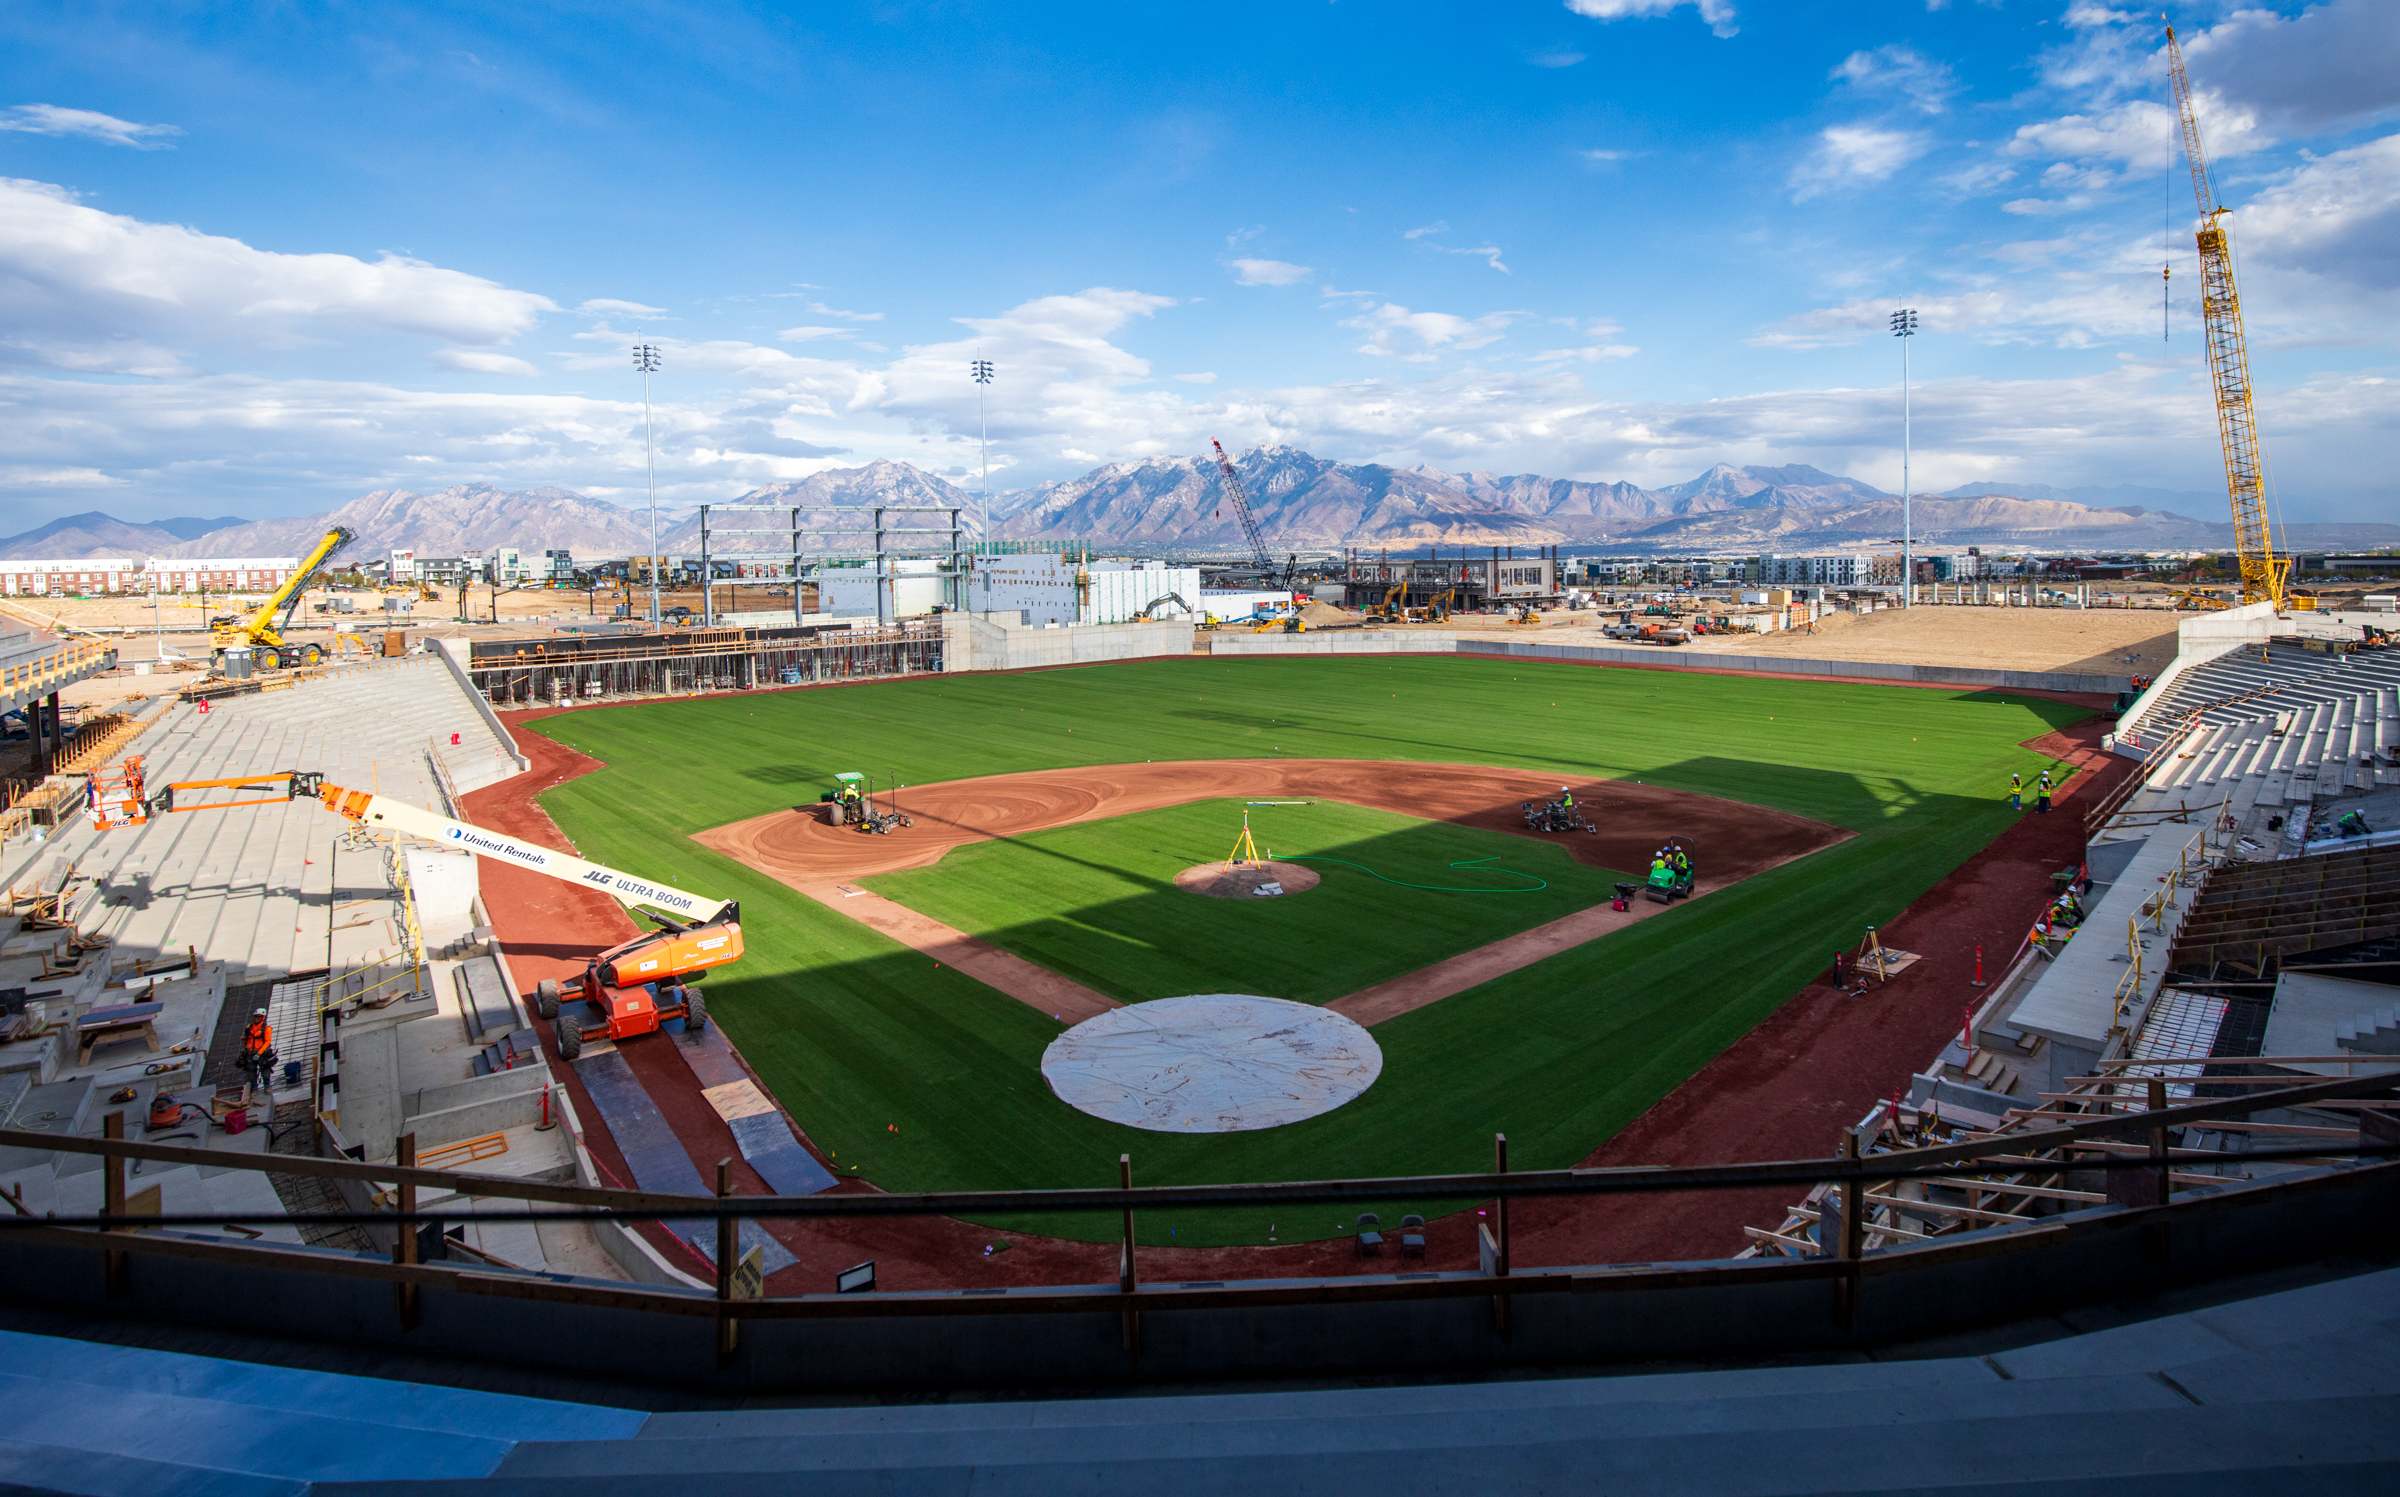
1224	881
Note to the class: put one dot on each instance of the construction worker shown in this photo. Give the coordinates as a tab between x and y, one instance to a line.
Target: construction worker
257	1059
2041	800
1683	863
1566	800
2016	792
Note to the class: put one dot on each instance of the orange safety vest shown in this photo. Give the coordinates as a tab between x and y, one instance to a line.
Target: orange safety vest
259	1038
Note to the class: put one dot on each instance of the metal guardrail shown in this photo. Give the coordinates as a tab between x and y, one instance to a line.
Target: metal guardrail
116	1235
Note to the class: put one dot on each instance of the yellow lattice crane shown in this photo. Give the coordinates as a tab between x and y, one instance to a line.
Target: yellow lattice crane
2263	572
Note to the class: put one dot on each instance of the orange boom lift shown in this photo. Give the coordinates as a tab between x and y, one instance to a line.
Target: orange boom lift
627	984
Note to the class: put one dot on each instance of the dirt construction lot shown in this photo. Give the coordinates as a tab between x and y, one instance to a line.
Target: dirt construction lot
2082	641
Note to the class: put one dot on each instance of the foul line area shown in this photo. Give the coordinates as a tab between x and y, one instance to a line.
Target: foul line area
801	849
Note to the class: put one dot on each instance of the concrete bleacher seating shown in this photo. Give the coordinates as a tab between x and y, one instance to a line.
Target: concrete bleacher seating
248	888
2291	1391
2278	725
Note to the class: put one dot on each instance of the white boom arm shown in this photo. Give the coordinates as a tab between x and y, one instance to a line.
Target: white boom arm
399	816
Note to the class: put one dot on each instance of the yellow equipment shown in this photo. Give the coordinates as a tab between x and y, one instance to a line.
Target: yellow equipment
2263	572
262	631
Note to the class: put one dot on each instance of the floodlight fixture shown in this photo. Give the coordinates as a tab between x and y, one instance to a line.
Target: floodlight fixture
981	370
1904	328
645	358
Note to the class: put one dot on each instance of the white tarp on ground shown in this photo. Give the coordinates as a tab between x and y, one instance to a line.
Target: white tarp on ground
1211	1063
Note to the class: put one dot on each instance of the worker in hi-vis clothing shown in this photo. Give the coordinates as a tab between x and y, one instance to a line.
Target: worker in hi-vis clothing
2016	792
258	1054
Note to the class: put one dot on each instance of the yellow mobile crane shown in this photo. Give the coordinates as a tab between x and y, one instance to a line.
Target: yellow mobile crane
262	631
2263	572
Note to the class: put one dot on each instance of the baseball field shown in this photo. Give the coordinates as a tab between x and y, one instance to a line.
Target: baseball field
1816	809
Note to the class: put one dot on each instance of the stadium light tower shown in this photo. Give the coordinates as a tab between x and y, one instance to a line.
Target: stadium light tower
982	370
645	358
1904	328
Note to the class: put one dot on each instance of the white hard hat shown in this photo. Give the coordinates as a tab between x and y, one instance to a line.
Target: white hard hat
260	1012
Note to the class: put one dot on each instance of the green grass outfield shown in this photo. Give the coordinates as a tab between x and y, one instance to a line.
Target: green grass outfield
1097	901
859	1036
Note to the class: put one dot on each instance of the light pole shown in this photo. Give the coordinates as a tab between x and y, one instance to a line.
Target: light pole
982	370
645	358
1904	328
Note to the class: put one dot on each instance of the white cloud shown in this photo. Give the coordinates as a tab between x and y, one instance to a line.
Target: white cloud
1926	84
83	289
1850	155
2080	186
1589	354
1555	59
1717	13
1197	379
1607	155
823	310
2137	132
1428	333
482	361
2332	64
812	334
1489	253
2336	219
50	119
1868	317
1268	272
1068	397
601	306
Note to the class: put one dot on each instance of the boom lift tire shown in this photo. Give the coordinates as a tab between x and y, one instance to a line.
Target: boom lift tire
570	1041
695	1011
545	997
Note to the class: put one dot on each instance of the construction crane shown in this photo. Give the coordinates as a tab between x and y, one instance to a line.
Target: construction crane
262	631
634	986
1241	507
2263	572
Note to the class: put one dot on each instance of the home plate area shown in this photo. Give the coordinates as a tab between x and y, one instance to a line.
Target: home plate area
1211	1063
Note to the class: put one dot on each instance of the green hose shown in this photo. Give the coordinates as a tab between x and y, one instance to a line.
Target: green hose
1539	884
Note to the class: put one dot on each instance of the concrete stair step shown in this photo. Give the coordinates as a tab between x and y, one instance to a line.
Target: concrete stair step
31	1467
195	1428
1141	1436
2208	1450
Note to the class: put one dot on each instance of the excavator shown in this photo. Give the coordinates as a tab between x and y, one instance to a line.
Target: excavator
262	631
633	987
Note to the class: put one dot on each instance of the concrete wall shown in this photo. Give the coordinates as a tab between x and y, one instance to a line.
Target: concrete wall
997	642
1430	641
1338	642
456	653
1598	1315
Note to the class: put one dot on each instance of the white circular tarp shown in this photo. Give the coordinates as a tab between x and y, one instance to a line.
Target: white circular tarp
1211	1063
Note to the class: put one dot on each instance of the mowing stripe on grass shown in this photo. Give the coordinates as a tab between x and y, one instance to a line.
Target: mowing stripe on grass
854	1032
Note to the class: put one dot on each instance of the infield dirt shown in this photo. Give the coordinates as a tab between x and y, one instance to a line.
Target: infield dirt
799	848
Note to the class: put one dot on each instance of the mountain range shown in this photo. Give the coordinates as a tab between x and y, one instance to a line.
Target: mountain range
1180	504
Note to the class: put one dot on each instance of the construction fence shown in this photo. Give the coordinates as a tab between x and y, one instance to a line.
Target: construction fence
518	673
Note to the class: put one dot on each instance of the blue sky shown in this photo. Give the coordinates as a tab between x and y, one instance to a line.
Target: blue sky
259	260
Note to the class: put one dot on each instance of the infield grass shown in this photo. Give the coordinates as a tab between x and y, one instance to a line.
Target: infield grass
1097	901
861	1037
